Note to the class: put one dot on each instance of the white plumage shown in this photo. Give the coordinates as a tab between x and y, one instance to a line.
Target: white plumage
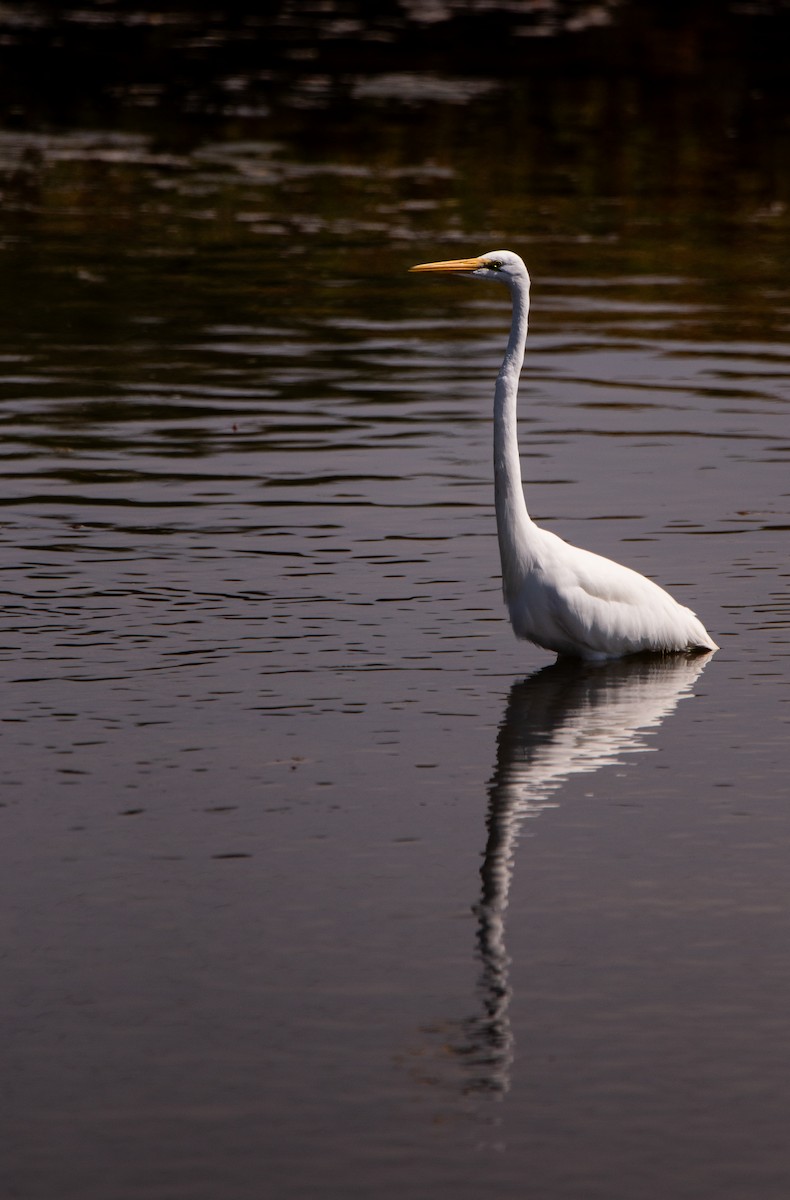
563	598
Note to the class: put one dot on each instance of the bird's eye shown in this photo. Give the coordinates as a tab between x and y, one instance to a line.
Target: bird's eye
494	264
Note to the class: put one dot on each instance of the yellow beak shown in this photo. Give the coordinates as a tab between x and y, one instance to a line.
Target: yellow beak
452	264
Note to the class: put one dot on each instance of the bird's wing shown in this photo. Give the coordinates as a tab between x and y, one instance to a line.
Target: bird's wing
598	604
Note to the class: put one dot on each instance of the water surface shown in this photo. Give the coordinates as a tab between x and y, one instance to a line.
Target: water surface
315	882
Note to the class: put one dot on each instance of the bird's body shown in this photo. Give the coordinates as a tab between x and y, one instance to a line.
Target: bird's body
559	596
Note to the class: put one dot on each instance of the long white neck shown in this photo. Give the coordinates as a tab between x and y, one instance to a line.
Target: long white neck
513	520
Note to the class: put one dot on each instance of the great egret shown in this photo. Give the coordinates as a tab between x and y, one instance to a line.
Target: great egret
563	598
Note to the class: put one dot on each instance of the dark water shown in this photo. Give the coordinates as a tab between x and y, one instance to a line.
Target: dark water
315	882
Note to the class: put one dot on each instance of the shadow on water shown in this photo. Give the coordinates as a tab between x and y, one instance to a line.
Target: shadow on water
562	721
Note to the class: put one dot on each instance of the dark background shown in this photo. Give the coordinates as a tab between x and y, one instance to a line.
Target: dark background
175	68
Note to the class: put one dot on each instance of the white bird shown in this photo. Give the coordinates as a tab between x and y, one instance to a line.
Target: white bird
559	596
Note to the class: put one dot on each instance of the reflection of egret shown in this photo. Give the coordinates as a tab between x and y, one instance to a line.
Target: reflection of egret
560	597
563	720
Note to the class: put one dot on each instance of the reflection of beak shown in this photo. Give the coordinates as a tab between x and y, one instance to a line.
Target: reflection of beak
453	264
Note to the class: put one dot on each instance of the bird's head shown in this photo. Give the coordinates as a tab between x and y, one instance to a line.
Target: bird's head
503	266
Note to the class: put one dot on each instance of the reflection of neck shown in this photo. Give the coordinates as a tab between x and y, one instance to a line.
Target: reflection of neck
495	874
490	1034
513	521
